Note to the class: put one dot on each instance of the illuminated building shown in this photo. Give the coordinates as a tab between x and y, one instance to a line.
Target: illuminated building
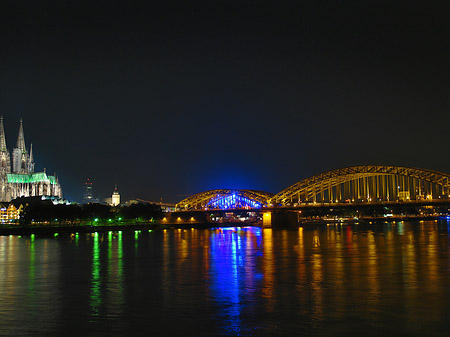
88	196
10	214
17	176
115	199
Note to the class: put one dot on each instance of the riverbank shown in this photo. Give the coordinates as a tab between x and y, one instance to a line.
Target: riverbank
88	228
27	230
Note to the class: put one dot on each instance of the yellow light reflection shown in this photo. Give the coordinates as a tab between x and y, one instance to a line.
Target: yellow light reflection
268	269
316	284
372	270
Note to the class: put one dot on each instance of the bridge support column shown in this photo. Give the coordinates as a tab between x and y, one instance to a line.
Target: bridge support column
267	219
273	219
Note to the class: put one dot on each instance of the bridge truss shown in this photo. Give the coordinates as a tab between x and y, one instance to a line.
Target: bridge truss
225	199
370	183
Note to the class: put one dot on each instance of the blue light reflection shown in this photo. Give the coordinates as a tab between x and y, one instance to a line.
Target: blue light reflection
233	272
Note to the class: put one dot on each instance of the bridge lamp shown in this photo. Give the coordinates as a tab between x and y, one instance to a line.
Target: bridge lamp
178	219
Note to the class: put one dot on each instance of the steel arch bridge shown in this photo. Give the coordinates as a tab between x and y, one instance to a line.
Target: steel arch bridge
370	183
225	199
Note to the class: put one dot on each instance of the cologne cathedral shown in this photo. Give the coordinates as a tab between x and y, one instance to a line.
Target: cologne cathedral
17	176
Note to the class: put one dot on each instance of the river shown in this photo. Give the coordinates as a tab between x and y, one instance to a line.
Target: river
334	280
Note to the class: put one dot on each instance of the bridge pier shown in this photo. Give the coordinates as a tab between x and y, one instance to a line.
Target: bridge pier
267	219
274	219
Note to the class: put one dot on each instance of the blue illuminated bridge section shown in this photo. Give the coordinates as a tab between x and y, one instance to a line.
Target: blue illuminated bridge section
364	183
225	199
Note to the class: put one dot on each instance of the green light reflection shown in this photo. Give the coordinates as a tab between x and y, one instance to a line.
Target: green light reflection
32	268
114	281
136	240
95	299
120	252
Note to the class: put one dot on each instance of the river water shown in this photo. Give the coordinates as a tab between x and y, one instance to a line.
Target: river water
334	280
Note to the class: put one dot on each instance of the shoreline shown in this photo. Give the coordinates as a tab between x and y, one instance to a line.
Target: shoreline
28	230
39	229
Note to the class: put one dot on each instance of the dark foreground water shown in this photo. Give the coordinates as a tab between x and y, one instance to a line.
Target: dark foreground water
337	280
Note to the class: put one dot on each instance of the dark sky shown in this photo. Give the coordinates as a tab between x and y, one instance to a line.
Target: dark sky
170	98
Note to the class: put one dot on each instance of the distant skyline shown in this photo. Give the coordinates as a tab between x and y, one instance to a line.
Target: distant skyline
167	99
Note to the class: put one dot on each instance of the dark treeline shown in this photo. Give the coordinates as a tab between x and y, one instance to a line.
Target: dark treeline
95	213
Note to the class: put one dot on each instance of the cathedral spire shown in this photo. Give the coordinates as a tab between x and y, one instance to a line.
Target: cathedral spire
20	154
3	147
31	152
5	159
31	161
21	138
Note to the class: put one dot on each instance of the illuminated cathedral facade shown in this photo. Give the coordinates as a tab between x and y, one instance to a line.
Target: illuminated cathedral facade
17	176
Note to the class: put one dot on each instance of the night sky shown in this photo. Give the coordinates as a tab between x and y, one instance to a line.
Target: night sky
170	98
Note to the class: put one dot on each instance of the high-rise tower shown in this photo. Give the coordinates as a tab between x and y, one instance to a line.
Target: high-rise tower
88	195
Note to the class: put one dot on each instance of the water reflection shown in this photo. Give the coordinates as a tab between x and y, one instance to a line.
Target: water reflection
95	300
372	269
114	284
32	267
226	258
268	269
234	274
107	268
230	281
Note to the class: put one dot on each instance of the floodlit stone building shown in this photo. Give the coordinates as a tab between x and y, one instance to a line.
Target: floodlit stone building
115	198
17	176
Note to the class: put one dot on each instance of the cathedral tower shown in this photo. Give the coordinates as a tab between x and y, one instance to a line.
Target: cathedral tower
20	158
5	164
5	160
31	161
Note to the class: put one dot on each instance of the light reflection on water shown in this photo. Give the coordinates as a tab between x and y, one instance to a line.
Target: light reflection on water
389	278
96	300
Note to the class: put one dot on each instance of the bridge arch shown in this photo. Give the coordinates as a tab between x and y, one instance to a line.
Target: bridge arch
369	183
225	199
